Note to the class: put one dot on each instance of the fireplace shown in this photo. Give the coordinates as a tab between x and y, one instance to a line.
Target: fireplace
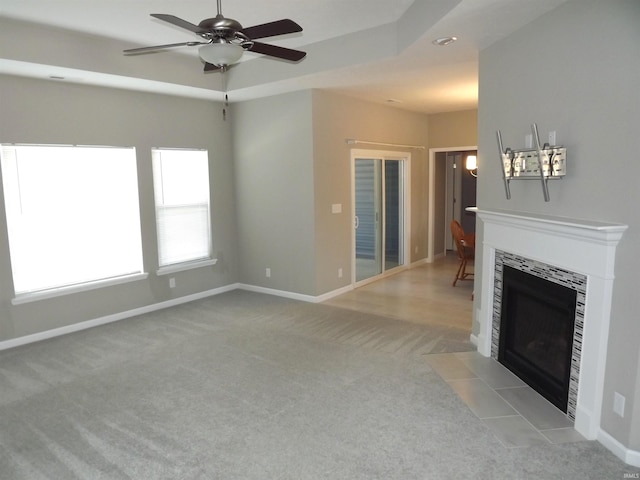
536	333
582	252
563	302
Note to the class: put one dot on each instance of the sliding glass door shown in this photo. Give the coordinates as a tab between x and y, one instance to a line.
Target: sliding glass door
368	207
379	215
393	214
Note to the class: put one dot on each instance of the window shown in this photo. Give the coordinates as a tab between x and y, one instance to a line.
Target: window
181	185
72	215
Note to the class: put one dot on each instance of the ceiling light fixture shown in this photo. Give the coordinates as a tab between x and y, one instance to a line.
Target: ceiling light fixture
220	54
444	41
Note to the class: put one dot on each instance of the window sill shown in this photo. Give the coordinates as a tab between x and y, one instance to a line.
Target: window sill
181	267
59	292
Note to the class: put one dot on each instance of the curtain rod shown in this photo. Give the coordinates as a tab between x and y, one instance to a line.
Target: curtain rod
351	141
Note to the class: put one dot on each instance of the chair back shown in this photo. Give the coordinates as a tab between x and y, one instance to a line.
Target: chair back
465	244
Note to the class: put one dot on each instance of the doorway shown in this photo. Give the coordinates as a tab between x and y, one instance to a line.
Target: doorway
451	190
460	194
379	200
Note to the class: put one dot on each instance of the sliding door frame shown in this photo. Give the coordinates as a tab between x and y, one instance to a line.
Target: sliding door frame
405	160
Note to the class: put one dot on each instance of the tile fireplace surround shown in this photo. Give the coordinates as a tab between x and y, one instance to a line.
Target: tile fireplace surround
580	246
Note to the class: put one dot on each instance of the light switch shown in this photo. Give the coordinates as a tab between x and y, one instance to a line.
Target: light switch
336	208
528	140
618	404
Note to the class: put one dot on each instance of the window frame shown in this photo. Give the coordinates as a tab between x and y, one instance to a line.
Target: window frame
158	179
133	267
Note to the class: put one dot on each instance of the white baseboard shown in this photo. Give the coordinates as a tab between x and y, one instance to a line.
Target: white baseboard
585	424
296	296
334	293
278	293
419	263
484	347
628	456
76	327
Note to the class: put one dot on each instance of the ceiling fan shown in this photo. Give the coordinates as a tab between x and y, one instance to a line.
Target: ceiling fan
224	40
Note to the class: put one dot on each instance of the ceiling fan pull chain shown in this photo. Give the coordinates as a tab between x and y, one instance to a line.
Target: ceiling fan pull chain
225	103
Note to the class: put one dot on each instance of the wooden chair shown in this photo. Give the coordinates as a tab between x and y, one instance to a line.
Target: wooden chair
466	246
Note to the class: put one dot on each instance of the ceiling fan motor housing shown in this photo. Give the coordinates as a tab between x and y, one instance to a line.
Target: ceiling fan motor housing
220	26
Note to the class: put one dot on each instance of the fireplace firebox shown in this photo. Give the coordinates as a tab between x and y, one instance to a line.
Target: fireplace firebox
536	333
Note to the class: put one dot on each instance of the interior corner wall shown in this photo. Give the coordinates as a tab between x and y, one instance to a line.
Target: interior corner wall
575	71
53	112
337	118
272	139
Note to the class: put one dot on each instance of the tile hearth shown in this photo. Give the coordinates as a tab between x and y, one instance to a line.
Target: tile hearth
515	413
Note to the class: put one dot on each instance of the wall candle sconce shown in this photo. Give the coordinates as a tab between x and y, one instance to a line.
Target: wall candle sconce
471	164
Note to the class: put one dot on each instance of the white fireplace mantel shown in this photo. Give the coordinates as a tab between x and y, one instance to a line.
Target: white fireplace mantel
580	246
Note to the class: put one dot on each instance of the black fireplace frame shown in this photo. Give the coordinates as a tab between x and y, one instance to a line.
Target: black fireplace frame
557	297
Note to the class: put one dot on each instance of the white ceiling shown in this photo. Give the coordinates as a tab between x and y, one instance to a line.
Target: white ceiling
376	50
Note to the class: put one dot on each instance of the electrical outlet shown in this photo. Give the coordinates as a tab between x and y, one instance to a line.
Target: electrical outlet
268	272
172	282
618	404
340	273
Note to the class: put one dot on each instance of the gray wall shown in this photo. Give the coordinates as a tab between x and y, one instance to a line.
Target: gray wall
273	149
576	71
39	111
292	164
277	166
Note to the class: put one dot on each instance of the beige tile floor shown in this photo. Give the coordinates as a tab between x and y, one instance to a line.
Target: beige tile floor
517	415
421	295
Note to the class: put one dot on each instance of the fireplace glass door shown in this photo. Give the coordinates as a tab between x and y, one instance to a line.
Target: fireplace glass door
536	333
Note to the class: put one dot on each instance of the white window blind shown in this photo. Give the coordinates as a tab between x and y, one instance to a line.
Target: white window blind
72	214
181	185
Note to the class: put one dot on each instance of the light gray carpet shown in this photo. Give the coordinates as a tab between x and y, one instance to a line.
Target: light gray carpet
248	386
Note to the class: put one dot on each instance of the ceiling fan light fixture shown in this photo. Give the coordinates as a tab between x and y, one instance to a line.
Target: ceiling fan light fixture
221	53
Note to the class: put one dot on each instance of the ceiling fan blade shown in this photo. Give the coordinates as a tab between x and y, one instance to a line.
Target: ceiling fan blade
210	67
271	29
141	50
278	52
178	22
